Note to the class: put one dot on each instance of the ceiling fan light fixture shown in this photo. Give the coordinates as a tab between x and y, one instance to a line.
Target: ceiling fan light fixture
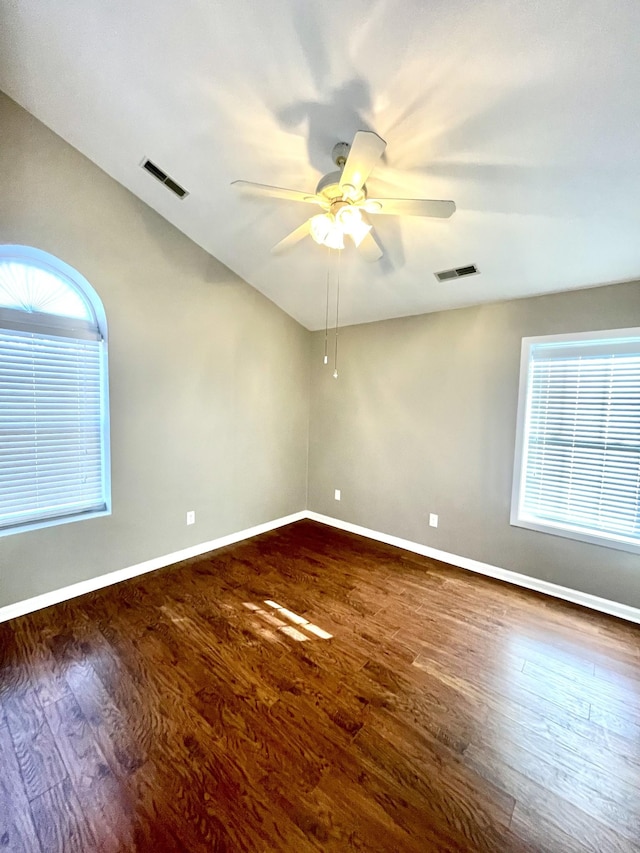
335	239
319	227
342	196
326	231
359	231
349	218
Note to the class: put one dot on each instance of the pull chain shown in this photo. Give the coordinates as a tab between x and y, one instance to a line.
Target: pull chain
326	316
335	362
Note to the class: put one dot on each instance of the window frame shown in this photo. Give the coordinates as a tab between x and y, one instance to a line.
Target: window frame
570	340
12	319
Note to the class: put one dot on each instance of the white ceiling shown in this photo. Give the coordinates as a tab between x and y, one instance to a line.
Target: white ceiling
525	113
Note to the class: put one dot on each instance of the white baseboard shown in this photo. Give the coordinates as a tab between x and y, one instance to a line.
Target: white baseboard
11	611
593	602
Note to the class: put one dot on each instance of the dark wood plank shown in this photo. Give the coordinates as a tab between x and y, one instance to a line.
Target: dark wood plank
609	800
47	679
60	823
113	730
17	833
445	712
101	797
38	757
541	816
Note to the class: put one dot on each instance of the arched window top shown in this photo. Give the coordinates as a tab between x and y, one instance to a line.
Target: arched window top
35	283
32	288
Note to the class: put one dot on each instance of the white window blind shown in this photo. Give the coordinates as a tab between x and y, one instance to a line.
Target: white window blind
54	416
50	426
578	460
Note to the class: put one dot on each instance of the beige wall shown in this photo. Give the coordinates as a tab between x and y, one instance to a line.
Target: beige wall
210	398
422	419
209	380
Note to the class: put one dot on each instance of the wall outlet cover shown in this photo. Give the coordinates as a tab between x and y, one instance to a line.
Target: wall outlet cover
337	494
191	517
433	519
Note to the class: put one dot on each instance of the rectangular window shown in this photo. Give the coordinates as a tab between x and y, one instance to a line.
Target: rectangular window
577	460
51	427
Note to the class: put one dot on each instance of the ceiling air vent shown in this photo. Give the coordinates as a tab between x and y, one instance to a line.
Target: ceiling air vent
458	272
164	178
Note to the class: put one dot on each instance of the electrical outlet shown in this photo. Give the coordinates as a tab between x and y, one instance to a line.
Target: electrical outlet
433	519
337	494
191	517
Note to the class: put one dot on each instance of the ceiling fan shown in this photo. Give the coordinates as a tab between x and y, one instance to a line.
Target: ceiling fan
342	195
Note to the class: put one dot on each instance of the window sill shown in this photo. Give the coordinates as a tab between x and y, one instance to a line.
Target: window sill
577	533
53	522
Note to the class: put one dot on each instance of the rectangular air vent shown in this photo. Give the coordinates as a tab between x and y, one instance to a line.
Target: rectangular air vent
164	178
458	272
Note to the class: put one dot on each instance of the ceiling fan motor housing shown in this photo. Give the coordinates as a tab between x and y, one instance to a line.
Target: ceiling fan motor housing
329	189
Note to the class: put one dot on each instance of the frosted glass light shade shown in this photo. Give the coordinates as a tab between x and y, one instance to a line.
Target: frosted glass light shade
326	231
359	231
349	218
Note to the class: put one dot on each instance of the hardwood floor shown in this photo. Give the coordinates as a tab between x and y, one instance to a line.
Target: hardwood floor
180	711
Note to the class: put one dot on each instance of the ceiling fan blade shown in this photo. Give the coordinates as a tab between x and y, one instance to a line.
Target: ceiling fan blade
369	247
366	149
276	192
410	207
291	239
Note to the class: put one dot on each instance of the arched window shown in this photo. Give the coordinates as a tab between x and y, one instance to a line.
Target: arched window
54	415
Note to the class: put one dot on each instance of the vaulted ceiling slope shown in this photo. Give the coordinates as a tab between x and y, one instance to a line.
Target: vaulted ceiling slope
526	114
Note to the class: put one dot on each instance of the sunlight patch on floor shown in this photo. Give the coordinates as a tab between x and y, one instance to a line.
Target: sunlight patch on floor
299	620
290	616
